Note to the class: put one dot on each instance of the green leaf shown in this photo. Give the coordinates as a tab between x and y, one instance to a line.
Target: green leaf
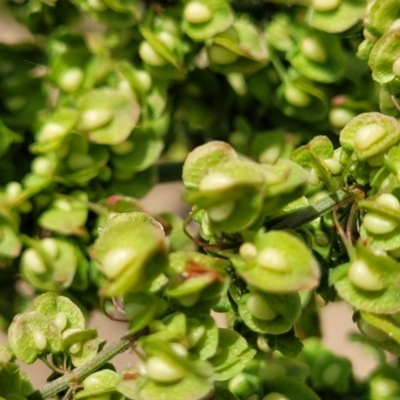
232	356
286	306
61	310
369	134
327	71
340	19
32	334
124	114
132	251
67	215
202	158
281	263
384	271
14	383
98	383
289	387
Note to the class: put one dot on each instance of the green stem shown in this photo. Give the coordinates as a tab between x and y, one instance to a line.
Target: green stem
80	373
305	215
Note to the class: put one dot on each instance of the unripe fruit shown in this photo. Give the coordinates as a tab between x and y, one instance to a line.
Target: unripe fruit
313	50
216	181
93	119
32	260
51	131
150	56
296	97
144	79
361	276
273	260
378	225
117	260
97	5
50	246
389	201
325	5
163	371
167	39
248	251
221	212
396	67
384	388
71	80
221	56
43	166
39	339
13	189
61	320
75	348
367	135
197	13
260	308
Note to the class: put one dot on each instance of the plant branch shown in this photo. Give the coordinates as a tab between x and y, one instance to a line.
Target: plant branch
305	215
78	374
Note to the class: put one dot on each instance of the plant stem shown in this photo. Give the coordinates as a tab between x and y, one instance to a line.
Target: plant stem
80	373
305	215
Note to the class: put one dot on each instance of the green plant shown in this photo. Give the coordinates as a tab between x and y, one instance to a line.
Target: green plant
282	120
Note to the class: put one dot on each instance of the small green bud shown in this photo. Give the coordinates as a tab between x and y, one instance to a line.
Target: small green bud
40	340
197	13
195	335
163	371
63	204
313	178
367	135
313	50
75	348
296	97
117	260
325	5
259	308
378	225
94	119
248	251
275	396
272	259
144	79
43	166
13	190
150	56
221	56
71	80
340	116
361	276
